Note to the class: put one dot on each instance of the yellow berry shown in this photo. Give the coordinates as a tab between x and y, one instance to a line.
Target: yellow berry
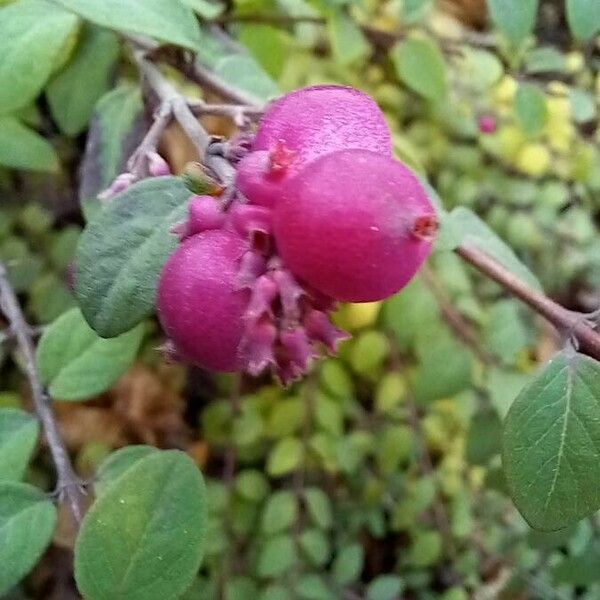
357	316
533	159
505	90
575	61
558	88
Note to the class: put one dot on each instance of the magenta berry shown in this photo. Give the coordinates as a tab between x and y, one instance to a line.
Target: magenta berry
354	225
314	121
200	304
487	124
304	125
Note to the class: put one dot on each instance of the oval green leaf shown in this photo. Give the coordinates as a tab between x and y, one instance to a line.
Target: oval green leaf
530	108
18	437
23	148
166	20
117	464
34	33
515	18
583	17
420	65
76	364
27	523
73	93
108	143
551	443
143	538
122	252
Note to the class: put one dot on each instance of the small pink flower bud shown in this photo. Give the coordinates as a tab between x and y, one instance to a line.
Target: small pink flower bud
157	165
120	184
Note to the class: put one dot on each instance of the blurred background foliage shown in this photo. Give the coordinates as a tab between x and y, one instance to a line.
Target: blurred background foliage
379	476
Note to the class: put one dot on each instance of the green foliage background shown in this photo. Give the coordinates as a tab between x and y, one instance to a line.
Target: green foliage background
379	476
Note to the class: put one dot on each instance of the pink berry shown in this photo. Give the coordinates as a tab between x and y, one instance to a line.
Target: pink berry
487	124
200	304
354	225
304	125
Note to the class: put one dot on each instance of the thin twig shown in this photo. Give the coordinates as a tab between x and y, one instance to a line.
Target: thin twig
567	322
69	487
172	100
238	113
459	325
138	162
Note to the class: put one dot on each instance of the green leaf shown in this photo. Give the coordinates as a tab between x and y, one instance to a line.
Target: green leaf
505	334
73	93
463	227
23	148
515	18
583	17
285	456
34	33
18	437
503	387
319	507
581	570
281	511
348	564
420	65
76	364
167	20
122	252
551	443
583	105
315	545
277	555
119	463
482	68
108	142
484	438
243	72
312	587
348	42
27	523
385	587
143	538
425	549
545	59
251	485
267	44
530	108
415	10
445	368
209	9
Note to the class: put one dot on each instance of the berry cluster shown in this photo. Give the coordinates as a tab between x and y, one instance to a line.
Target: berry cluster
321	213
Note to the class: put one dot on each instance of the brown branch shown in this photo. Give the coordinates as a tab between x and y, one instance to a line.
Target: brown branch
567	322
68	487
